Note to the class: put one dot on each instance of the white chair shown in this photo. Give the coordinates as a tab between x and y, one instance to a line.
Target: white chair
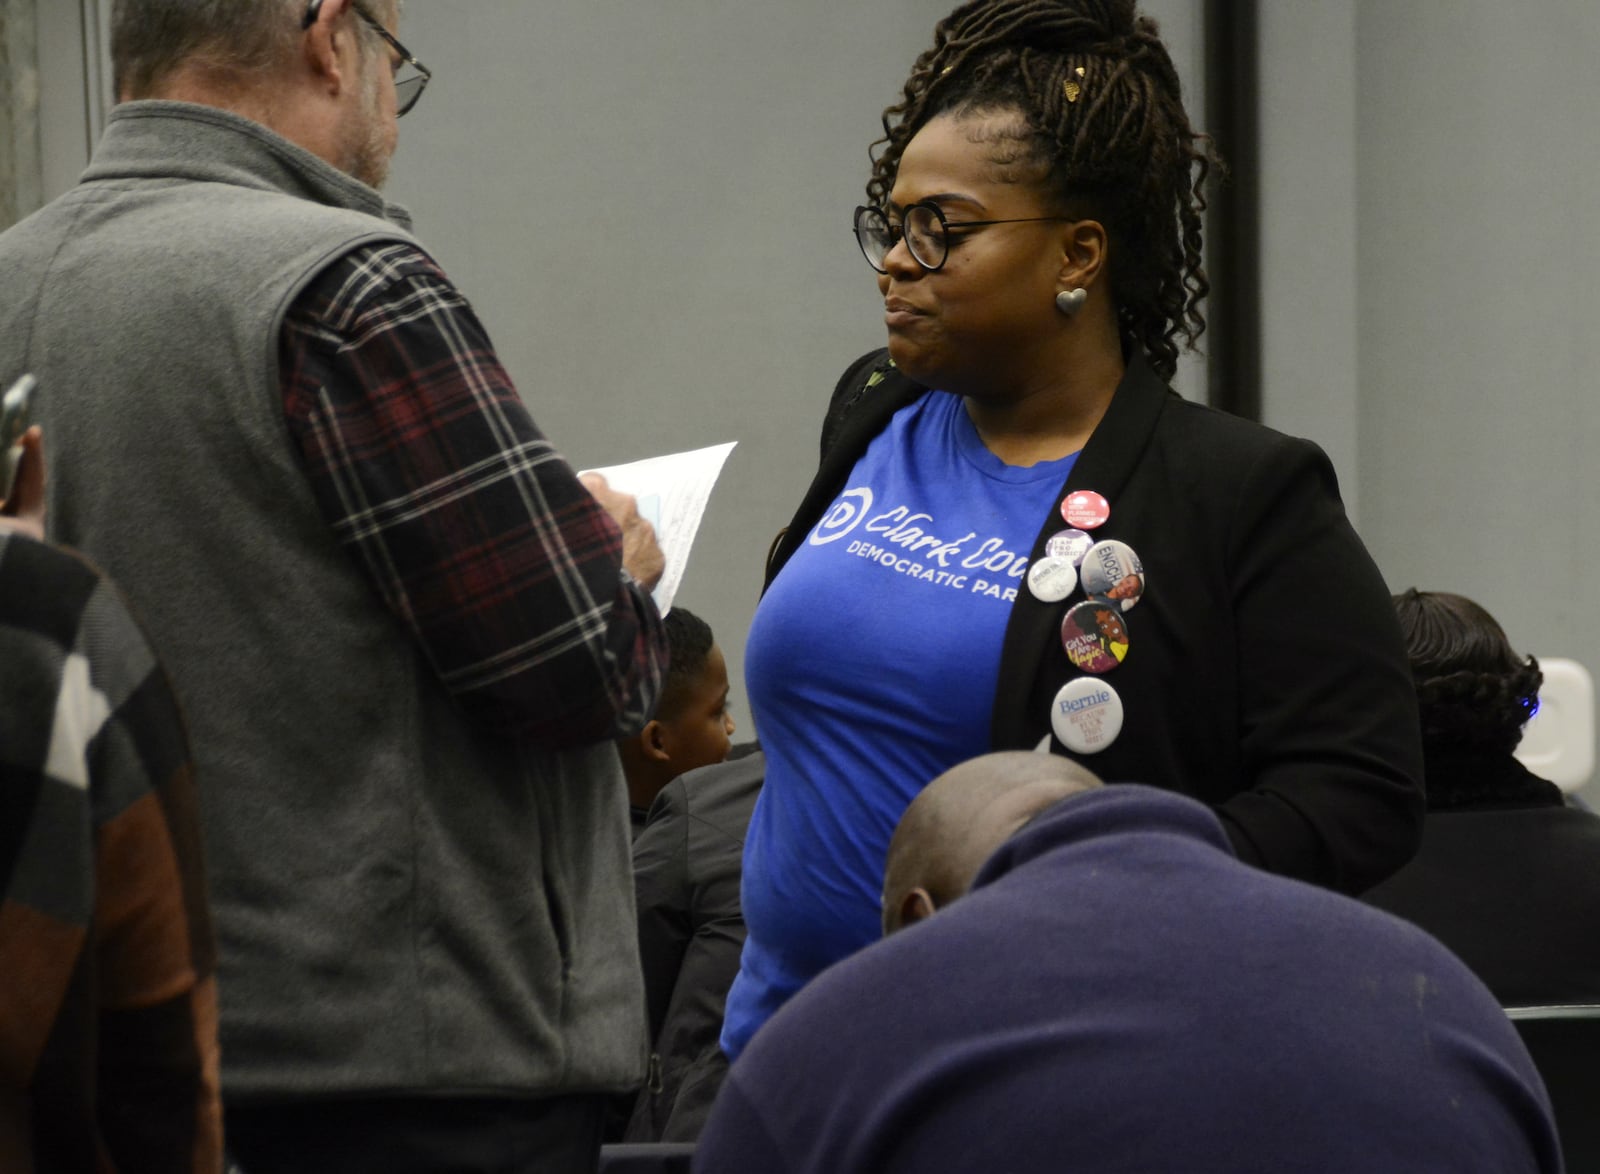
1558	744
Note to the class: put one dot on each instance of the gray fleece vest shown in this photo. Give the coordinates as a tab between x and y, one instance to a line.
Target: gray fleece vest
403	904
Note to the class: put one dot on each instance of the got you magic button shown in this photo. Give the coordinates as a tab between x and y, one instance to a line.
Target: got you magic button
1086	715
1095	636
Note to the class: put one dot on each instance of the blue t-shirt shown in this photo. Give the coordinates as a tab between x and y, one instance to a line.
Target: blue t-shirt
871	667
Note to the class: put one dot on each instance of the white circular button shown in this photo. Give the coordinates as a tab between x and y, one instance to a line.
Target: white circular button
1052	579
1068	544
1086	715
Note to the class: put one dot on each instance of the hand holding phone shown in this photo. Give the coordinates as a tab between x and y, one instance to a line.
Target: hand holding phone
21	462
16	414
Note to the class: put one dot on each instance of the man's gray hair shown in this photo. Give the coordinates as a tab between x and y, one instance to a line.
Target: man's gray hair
152	38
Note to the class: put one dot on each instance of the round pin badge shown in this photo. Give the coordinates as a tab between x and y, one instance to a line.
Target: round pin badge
1070	544
1086	715
1113	572
1085	509
1095	636
1052	579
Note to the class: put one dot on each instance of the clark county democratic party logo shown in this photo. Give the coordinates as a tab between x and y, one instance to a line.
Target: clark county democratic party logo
844	517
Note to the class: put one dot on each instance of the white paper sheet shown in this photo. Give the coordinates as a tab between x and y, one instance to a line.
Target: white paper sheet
672	492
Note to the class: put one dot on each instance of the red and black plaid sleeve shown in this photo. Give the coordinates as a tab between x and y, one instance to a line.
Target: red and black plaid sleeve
470	525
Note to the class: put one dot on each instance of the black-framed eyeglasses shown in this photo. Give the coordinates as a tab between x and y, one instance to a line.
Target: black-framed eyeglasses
411	77
925	229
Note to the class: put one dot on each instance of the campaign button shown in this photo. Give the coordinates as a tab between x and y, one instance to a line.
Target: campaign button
1085	509
1052	579
1070	544
1095	636
1086	715
1113	572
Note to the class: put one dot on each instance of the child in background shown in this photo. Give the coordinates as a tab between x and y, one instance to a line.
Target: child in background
691	727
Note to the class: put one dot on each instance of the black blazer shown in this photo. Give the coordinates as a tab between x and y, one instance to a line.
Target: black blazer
1511	886
1265	674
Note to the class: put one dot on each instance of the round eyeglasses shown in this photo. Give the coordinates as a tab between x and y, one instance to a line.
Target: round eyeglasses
924	229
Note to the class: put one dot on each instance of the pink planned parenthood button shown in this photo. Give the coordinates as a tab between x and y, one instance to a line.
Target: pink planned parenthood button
1086	715
1113	572
1085	509
1095	636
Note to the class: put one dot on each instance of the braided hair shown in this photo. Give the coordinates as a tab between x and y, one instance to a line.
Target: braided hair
1103	126
1474	691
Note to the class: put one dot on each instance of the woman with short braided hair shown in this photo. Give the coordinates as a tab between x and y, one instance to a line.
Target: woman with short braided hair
1508	876
1019	537
1474	693
1104	122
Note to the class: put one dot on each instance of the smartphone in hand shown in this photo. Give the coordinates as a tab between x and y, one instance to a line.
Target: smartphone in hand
16	413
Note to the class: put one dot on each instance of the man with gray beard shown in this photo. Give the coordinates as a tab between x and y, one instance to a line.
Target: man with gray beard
404	632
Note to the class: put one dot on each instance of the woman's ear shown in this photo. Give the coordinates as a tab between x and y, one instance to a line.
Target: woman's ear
1084	247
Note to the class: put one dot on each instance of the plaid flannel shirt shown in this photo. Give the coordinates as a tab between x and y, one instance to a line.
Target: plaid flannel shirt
108	1011
470	525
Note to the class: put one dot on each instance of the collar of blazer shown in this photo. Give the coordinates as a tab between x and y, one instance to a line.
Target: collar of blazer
1104	465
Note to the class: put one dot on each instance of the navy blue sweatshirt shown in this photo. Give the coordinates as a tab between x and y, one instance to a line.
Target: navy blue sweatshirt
1120	993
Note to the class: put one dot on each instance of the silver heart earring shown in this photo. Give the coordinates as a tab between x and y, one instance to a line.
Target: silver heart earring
1070	301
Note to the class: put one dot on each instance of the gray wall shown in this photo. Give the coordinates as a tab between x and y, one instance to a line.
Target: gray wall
74	85
20	165
1429	174
1310	382
1478	258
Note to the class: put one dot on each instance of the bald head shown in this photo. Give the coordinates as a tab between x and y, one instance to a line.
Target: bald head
958	821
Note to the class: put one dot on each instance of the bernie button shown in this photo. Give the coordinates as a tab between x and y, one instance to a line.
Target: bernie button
1095	636
1052	579
1113	572
1085	509
1070	544
1086	715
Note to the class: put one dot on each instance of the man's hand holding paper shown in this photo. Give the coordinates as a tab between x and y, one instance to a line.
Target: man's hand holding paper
676	488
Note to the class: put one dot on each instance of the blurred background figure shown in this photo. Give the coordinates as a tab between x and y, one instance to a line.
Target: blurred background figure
686	869
1508	875
691	727
108	1001
1081	977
